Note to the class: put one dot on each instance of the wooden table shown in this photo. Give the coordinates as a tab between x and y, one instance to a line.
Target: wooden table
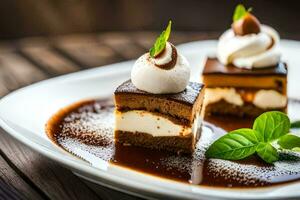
25	174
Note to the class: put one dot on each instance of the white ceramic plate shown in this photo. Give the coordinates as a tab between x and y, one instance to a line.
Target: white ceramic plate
23	114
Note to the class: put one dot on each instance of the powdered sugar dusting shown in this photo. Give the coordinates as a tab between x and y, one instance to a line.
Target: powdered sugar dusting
253	174
91	124
88	132
72	145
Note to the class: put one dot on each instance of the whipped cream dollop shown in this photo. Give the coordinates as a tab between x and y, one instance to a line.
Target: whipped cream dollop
250	51
167	73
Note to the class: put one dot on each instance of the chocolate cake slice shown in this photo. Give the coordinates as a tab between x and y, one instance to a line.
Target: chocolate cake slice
247	77
244	92
159	121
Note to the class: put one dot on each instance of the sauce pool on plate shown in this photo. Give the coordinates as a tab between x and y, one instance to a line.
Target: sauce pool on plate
88	126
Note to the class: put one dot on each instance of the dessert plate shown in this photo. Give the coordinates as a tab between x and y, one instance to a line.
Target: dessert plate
23	114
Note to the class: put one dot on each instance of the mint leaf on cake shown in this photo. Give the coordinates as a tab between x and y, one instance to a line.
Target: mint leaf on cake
161	41
240	11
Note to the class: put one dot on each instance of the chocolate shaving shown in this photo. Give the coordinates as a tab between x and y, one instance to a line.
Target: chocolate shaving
272	43
173	61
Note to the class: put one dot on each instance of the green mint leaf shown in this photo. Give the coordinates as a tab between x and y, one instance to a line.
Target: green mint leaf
267	152
239	12
235	145
297	149
289	141
161	41
295	124
271	126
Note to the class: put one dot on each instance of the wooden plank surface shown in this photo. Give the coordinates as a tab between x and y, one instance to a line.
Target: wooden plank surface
26	174
16	71
86	50
13	180
122	43
49	61
19	69
48	178
108	194
8	192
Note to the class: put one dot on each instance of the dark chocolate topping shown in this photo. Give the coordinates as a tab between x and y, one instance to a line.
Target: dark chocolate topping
213	66
188	96
172	62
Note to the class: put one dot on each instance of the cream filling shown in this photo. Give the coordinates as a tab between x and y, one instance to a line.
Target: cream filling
155	125
213	95
264	99
269	99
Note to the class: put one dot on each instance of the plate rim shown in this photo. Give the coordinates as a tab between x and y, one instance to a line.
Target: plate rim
72	164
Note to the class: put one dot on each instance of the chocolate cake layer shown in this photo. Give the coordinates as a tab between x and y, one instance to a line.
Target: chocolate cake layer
247	110
183	105
176	144
217	75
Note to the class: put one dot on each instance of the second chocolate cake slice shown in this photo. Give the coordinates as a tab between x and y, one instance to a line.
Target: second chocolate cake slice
247	77
241	92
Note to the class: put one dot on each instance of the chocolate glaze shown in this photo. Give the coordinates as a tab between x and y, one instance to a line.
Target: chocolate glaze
213	66
188	96
89	126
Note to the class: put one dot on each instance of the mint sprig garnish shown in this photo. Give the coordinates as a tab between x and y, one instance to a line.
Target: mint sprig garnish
240	11
235	145
160	42
295	124
241	143
271	125
289	141
267	152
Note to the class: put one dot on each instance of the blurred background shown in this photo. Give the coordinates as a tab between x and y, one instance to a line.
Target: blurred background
40	39
20	18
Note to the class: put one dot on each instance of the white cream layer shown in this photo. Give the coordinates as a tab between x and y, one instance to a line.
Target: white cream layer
155	125
269	99
250	51
230	95
263	98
